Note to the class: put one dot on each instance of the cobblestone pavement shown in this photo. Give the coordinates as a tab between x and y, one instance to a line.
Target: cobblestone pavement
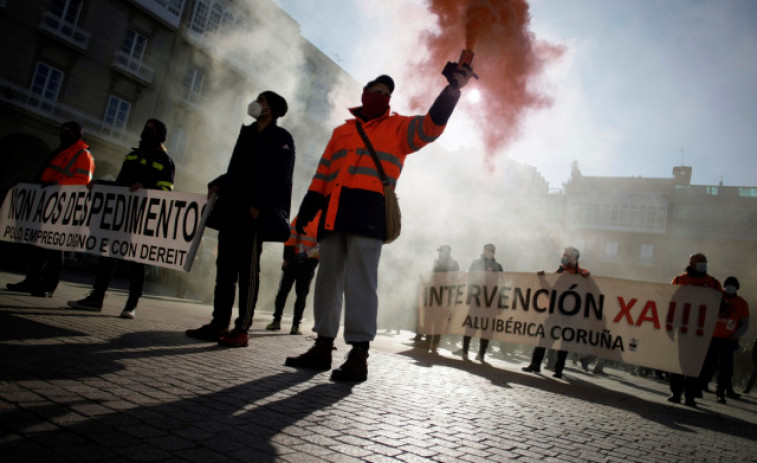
83	386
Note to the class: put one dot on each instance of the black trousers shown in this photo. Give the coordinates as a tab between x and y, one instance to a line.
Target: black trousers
719	358
538	356
482	344
105	270
299	275
45	267
238	260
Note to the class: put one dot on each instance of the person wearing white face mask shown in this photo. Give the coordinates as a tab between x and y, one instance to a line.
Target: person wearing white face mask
733	321
568	264
695	275
252	206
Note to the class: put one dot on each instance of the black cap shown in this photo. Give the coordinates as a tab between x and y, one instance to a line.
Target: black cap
732	281
382	79
276	102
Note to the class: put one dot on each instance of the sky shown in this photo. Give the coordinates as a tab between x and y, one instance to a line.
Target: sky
640	86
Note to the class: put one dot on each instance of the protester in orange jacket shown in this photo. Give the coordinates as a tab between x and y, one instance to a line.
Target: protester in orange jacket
298	270
70	163
733	322
695	275
347	188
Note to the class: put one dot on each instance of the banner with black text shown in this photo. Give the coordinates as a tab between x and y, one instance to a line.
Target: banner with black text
154	227
660	326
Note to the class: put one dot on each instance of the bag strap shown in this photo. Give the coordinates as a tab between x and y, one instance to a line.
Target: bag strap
369	145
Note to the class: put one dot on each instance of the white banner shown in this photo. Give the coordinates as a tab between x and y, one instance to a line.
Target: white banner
660	326
154	227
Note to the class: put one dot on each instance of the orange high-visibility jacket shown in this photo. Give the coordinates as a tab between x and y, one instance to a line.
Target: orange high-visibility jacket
347	177
298	244
707	281
72	166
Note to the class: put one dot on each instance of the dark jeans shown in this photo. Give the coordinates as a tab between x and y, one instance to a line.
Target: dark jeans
136	280
482	345
719	358
238	259
538	356
301	274
686	385
45	267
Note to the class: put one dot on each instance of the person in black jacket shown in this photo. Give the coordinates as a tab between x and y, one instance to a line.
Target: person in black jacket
254	197
148	166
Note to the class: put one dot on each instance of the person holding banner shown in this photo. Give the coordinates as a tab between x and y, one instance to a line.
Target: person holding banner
485	263
695	275
568	264
298	269
148	166
733	321
252	206
70	163
352	228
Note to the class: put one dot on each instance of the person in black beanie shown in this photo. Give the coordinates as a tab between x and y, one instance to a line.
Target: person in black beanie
254	197
148	166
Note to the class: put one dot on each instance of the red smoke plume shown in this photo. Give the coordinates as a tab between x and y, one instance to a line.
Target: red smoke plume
508	58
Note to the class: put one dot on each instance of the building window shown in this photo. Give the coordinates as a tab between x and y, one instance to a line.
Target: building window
134	45
117	113
646	253
210	15
193	83
68	10
177	147
47	81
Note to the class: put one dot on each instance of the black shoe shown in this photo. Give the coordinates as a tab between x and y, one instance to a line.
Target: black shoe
23	286
675	398
557	375
698	394
721	399
41	293
732	394
355	369
209	332
91	302
317	357
690	403
531	369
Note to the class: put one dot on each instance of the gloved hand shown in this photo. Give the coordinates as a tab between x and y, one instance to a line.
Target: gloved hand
300	227
457	76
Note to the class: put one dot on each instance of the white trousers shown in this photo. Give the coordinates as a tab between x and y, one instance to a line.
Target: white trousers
348	272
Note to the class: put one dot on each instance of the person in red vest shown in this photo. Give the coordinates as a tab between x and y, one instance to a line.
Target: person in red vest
70	163
568	264
347	187
695	275
298	270
733	321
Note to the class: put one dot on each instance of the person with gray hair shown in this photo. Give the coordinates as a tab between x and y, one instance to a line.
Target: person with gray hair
568	264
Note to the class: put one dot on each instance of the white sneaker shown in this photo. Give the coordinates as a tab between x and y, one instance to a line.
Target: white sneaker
128	314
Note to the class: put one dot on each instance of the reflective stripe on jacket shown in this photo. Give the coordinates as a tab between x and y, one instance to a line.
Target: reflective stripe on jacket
152	167
306	242
347	165
72	166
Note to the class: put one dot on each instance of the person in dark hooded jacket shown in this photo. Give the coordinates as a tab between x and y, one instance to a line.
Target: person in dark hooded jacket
254	197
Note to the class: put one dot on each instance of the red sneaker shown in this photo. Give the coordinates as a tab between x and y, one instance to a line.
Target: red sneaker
236	338
209	332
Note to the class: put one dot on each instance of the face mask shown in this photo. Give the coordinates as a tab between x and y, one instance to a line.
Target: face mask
254	109
374	104
701	267
148	137
730	290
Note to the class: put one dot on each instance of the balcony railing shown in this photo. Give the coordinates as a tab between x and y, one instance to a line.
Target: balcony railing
69	33
133	67
168	11
52	110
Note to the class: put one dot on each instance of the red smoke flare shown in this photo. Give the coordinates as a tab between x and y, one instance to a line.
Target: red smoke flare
508	59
